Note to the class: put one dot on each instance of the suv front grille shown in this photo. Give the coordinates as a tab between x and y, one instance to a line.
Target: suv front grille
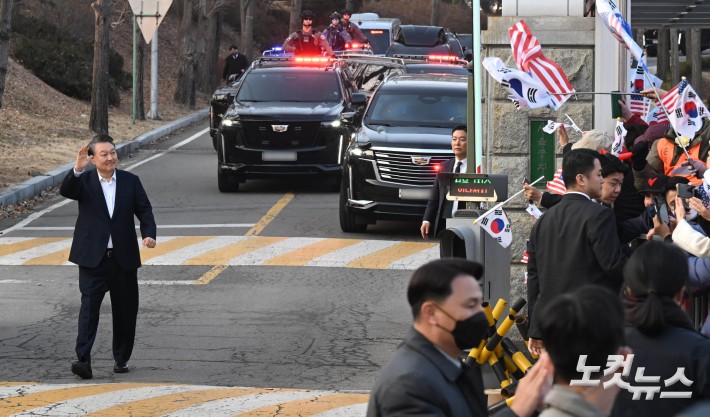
261	135
398	166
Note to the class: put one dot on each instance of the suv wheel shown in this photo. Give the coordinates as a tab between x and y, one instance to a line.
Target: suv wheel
348	222
227	183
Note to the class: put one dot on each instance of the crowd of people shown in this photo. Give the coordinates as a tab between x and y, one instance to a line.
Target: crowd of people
612	265
334	38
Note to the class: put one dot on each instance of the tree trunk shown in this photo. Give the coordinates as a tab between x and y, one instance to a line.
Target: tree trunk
350	5
295	22
693	52
98	120
214	28
185	90
5	16
675	66
664	44
248	28
202	79
140	76
435	6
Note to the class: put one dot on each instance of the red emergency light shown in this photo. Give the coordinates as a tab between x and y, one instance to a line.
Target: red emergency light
437	167
312	59
377	32
442	58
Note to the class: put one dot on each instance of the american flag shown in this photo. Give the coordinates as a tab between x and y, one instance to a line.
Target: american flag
657	115
557	185
638	104
609	12
524	259
528	57
670	99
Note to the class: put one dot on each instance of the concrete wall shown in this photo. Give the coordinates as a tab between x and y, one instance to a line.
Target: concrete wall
569	41
543	8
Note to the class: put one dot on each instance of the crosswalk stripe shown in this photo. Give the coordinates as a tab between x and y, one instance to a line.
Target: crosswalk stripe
222	255
180	256
341	258
93	403
170	244
19	246
417	259
172	402
307	407
263	254
382	258
302	256
55	258
11	389
234	406
46	245
22	403
346	411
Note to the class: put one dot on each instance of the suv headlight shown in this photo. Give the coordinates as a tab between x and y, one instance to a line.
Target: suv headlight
219	97
332	123
232	122
362	153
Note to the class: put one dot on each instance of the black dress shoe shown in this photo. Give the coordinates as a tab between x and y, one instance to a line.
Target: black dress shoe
120	367
82	369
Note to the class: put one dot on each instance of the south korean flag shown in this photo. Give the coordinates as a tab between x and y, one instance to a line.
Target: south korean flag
497	225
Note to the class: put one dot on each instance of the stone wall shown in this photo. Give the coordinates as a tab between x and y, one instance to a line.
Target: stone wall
569	41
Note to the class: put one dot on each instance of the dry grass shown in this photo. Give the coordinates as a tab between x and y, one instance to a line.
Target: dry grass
41	129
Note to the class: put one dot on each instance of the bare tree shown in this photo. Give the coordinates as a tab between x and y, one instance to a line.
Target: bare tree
209	23
295	22
663	55
140	71
350	5
247	12
185	90
98	120
435	10
5	16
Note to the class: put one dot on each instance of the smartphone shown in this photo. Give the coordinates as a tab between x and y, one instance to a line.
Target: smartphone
661	210
685	191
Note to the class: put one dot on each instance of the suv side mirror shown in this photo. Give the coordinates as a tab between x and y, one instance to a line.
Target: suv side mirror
348	117
359	99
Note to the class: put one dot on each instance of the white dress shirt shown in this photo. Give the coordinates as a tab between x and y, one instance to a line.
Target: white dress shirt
109	189
453	169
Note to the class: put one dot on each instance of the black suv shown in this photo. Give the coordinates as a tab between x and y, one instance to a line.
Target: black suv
420	41
391	164
219	103
290	116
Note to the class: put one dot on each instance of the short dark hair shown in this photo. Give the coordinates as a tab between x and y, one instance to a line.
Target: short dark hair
100	138
432	281
233	47
654	272
588	321
577	161
459	127
611	165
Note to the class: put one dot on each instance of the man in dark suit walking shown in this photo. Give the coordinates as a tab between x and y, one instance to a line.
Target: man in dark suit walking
574	243
438	207
235	63
425	377
105	247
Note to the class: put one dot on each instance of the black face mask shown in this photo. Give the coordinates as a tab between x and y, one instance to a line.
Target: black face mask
468	333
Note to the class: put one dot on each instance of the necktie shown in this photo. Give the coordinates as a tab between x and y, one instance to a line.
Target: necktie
459	204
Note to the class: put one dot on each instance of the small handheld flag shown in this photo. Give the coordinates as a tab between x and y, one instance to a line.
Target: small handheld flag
619	135
497	225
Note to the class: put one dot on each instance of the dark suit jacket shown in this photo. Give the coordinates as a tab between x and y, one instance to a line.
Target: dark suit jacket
574	243
420	381
94	226
433	213
234	65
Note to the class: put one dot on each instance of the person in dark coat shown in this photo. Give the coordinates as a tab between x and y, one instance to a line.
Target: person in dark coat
235	63
660	334
574	243
425	377
105	247
438	207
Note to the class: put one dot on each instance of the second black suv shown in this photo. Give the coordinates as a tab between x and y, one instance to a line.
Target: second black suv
290	116
390	166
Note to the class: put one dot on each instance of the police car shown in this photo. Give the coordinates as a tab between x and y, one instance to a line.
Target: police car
291	116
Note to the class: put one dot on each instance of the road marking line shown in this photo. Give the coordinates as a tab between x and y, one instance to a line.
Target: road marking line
34	216
234	406
49	245
418	259
160	226
270	215
170	244
221	256
23	245
259	256
346	411
178	257
55	258
22	403
383	258
307	407
172	402
88	404
306	254
14	389
208	276
341	258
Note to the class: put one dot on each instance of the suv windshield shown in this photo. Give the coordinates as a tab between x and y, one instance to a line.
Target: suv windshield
379	39
316	87
430	109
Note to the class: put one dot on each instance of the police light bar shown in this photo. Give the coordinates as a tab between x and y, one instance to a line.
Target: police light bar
313	60
442	58
377	32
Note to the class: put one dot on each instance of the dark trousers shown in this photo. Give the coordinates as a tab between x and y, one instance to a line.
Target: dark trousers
123	286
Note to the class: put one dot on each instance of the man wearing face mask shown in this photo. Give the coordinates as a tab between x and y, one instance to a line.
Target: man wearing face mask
426	376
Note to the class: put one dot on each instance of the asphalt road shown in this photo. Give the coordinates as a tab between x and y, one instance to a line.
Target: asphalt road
295	304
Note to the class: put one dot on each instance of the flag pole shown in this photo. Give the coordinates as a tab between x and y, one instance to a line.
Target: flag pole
501	204
668	115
